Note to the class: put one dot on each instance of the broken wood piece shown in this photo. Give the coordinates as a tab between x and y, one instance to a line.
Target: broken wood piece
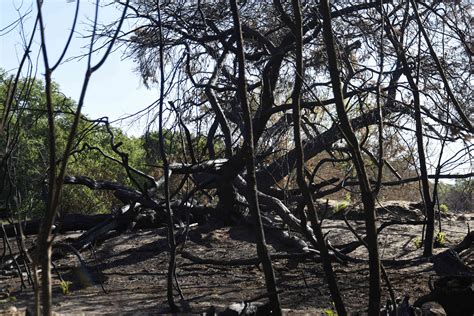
245	262
454	293
448	262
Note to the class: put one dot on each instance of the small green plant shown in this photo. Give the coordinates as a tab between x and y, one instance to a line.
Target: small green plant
347	197
341	206
440	239
443	208
330	312
65	286
417	242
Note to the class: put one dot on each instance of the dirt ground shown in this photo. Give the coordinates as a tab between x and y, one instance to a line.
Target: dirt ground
132	268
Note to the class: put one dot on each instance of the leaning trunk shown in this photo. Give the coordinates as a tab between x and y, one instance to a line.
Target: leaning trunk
428	204
349	135
296	99
249	150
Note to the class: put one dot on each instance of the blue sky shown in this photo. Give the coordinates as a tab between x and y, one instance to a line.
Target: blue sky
115	89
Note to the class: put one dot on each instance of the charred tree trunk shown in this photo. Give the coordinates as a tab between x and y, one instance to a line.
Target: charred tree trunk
428	204
70	222
166	168
349	135
56	175
249	151
296	99
228	203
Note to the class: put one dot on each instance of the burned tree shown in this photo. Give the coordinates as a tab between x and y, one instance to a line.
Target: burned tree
269	107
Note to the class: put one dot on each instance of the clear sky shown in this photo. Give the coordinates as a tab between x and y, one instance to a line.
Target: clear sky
115	89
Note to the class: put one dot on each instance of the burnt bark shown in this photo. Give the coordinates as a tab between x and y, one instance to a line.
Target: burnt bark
69	222
428	203
354	147
279	168
249	155
315	223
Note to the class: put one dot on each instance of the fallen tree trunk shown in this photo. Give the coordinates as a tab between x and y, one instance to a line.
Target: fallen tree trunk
83	222
453	292
282	166
466	243
124	193
67	223
353	245
125	215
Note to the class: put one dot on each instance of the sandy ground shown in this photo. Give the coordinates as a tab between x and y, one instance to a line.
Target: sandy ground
132	268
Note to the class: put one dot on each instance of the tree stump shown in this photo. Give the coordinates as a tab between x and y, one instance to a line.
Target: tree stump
454	293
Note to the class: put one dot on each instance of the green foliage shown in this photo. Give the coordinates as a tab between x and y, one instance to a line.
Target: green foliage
458	197
330	312
173	146
28	161
418	243
347	197
443	208
65	287
25	138
341	206
93	164
29	155
440	239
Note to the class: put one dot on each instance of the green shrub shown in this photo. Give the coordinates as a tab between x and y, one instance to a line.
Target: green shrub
341	206
65	286
418	243
443	208
330	312
440	239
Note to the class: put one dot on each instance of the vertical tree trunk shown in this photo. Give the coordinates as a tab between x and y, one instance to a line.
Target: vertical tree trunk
428	204
296	100
349	135
262	250
169	211
56	175
43	253
45	264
